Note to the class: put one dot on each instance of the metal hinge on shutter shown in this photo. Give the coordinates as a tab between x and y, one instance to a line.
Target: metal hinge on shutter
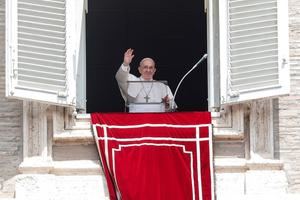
233	94
62	94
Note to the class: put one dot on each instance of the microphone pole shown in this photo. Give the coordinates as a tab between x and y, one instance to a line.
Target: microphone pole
173	102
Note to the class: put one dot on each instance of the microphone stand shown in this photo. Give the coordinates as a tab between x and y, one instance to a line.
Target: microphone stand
173	106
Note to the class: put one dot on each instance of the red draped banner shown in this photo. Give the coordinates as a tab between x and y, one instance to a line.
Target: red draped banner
156	156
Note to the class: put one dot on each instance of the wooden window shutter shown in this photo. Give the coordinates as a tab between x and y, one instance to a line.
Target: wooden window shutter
39	58
253	49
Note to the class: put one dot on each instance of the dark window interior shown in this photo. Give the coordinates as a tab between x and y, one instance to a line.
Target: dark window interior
172	32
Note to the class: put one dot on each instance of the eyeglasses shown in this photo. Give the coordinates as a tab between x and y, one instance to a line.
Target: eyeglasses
146	67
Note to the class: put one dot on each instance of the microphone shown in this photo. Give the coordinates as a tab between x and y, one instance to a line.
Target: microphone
173	106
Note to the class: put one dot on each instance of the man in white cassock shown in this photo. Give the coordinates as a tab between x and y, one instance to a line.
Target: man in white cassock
143	90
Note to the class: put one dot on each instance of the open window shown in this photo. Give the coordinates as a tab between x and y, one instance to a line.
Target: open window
253	43
45	50
172	32
247	49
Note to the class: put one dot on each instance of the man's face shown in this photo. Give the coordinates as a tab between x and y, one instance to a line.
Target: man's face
147	69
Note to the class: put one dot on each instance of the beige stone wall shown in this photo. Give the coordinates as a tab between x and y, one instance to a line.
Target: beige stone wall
288	149
289	107
10	124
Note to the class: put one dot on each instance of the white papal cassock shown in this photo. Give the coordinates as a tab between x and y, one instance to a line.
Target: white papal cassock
135	91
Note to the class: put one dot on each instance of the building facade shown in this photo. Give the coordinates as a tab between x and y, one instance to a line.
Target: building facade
47	149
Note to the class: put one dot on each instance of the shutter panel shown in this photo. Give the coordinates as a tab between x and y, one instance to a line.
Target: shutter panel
37	56
256	51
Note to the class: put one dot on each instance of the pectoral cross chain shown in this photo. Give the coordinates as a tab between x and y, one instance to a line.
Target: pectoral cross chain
147	98
147	92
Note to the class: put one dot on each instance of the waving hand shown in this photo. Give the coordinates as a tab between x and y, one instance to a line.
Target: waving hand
128	55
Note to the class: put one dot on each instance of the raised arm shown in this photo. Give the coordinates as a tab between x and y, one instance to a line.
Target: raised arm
123	75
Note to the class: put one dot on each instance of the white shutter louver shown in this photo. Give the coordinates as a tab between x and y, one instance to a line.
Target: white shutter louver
41	45
256	56
39	59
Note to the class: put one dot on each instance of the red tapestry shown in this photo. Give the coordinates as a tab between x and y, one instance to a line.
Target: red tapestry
156	156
